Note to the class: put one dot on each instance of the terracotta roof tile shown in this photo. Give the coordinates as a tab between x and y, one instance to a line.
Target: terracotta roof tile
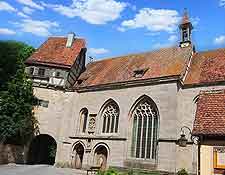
160	63
207	67
210	114
54	52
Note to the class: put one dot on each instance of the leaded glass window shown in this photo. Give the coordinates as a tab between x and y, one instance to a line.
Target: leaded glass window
110	117
144	134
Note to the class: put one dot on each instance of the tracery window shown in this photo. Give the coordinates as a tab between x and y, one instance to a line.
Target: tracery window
144	134
110	117
83	120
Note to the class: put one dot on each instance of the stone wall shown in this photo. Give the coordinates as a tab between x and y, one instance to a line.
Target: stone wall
11	154
176	109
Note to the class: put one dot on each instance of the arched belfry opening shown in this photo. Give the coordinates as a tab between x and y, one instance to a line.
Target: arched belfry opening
42	150
186	28
78	154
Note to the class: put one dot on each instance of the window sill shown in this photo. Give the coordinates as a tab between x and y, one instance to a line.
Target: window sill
98	137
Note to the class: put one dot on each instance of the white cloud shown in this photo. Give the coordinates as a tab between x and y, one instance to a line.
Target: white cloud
97	51
4	6
92	11
21	14
160	45
28	10
154	20
171	42
173	38
39	28
5	31
121	29
30	3
220	40
195	21
222	3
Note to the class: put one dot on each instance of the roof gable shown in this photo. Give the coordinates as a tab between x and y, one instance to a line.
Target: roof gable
54	52
207	67
210	114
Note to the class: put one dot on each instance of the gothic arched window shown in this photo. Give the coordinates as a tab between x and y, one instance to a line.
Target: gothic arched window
110	117
144	131
83	120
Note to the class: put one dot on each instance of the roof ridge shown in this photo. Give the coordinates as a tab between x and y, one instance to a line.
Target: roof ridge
212	91
133	54
211	50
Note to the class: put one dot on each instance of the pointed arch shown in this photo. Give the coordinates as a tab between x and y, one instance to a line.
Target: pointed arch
78	153
145	122
109	113
83	120
101	154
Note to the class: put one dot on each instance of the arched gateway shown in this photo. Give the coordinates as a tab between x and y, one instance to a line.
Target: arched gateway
42	150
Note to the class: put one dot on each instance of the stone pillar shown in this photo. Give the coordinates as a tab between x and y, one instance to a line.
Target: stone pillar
87	159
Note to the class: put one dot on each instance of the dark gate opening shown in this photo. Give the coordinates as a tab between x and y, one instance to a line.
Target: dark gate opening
42	150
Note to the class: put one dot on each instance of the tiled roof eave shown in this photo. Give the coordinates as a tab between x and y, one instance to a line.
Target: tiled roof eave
207	134
43	63
213	83
125	84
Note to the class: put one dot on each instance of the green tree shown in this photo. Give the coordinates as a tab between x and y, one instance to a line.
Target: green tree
17	122
11	54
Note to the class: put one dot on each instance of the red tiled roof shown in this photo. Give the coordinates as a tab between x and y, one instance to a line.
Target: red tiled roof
207	67
54	52
210	114
160	63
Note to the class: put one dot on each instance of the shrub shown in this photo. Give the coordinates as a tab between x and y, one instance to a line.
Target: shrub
182	172
108	172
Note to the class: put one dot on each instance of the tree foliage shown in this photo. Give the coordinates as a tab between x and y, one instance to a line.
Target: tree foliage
12	53
17	122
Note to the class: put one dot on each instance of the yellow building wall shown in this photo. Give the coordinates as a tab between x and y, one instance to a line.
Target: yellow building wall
206	160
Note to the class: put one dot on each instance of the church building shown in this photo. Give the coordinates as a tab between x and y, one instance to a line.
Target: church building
161	110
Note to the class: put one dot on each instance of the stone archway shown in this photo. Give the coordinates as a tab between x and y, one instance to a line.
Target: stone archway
42	150
100	156
78	153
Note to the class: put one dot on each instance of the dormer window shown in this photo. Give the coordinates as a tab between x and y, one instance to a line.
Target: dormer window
80	81
41	72
138	73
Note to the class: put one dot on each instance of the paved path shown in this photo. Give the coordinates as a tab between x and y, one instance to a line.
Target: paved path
12	169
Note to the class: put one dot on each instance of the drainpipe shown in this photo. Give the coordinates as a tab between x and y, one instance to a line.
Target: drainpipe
199	155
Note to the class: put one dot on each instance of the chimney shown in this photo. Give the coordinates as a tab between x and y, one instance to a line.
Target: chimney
70	39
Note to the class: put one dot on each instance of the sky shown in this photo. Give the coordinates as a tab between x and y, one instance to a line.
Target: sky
114	27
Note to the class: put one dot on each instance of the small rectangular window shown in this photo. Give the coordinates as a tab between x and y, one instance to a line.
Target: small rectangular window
43	103
57	74
41	72
31	71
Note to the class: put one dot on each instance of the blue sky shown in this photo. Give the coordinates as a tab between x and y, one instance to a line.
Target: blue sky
113	27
